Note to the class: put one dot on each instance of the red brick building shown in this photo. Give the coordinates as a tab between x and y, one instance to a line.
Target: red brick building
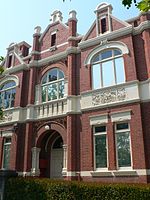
78	107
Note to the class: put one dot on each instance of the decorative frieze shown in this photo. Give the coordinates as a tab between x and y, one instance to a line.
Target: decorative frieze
108	96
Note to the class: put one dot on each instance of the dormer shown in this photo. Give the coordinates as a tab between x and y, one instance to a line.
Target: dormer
16	53
103	18
23	49
10	55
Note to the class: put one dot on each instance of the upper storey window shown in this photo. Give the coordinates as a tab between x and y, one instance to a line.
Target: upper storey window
107	68
7	94
52	85
103	25
53	39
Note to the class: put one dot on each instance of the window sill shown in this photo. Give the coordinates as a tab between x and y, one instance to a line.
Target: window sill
114	173
53	48
125	173
101	173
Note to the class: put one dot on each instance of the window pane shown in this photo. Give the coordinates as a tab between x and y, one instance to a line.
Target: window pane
106	54
13	97
44	80
100	151
117	52
100	129
52	76
61	89
108	73
8	85
96	58
44	93
121	126
120	74
61	74
6	155
7	99
123	149
96	76
52	92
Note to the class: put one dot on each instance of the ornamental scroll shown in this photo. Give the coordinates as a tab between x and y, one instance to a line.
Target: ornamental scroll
108	96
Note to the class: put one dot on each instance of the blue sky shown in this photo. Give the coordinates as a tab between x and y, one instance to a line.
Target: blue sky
19	17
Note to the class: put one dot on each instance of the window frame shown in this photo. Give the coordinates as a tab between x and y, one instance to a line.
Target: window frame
123	131
48	83
100	62
53	39
94	136
3	155
9	89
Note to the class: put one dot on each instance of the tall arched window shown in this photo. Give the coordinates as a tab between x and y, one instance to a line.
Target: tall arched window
52	85
107	68
7	94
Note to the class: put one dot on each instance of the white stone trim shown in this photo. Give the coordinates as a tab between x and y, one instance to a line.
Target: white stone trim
73	104
35	171
6	133
144	88
120	116
139	29
99	119
110	173
24	174
101	174
15	69
10	78
57	46
109	45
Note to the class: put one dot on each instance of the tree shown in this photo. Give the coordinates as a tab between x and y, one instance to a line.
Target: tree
1	71
143	5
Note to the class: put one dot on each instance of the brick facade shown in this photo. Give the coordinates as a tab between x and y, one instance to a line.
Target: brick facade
53	117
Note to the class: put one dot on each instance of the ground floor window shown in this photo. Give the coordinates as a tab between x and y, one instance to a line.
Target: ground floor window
6	153
100	146
123	149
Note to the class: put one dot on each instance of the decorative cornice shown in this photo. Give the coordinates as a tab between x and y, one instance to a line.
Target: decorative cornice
144	25
15	69
56	57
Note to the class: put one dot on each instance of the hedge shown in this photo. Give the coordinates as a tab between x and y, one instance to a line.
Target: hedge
46	189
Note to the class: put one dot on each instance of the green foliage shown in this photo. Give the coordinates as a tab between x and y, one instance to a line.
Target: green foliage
1	114
46	189
143	5
1	68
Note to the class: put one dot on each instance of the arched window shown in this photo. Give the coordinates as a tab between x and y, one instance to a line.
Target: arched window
52	85
7	94
107	68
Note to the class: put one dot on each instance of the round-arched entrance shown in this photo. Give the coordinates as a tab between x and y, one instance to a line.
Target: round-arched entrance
51	155
56	164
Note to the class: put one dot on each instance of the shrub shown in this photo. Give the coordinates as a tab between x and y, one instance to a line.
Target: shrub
46	189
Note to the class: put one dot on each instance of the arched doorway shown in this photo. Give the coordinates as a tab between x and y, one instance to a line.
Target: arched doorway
56	165
51	155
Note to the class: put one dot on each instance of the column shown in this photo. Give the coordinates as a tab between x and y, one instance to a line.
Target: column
64	158
35	171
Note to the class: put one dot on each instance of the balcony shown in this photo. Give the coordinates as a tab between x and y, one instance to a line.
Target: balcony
33	112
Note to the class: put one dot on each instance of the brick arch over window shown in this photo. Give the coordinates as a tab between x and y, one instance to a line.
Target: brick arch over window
61	66
109	45
52	126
